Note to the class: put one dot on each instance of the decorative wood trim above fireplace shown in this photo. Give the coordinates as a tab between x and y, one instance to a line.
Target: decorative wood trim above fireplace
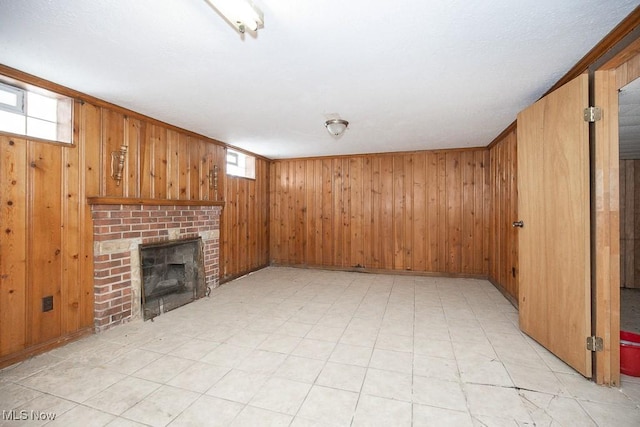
150	202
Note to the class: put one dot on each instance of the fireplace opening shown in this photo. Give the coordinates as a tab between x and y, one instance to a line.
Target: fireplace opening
172	275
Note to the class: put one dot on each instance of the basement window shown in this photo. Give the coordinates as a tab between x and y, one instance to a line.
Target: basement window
240	164
35	113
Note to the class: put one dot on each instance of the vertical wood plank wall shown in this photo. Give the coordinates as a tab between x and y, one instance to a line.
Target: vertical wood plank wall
43	250
503	238
245	224
421	212
47	234
629	223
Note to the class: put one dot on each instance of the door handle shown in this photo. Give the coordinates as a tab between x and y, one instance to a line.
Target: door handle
517	224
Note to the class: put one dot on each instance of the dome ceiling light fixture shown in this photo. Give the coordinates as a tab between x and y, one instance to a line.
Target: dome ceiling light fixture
336	127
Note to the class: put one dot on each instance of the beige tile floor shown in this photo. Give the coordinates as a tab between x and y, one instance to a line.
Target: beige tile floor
297	347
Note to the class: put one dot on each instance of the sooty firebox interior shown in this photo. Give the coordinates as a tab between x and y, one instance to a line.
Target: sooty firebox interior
172	275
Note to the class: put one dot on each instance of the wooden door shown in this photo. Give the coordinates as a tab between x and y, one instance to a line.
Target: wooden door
554	243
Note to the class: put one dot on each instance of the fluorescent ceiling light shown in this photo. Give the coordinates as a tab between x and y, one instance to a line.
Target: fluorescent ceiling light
242	14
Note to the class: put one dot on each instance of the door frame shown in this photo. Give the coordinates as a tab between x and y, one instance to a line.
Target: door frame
612	72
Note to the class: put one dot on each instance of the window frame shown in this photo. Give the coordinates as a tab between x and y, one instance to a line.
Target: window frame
245	167
20	106
64	112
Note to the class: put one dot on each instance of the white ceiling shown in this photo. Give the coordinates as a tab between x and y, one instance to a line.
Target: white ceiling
407	74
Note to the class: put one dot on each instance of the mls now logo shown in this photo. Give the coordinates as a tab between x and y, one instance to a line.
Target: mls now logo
25	415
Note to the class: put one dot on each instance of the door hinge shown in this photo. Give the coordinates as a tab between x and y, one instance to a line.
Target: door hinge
595	344
592	114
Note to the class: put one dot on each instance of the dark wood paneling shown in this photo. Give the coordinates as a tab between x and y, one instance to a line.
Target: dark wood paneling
502	237
629	223
424	212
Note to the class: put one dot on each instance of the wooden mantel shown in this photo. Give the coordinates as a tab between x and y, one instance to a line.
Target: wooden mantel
150	202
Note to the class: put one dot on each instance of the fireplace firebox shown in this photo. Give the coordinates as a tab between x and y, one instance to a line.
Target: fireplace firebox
172	275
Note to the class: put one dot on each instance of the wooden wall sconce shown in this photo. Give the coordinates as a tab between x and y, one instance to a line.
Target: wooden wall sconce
213	181
117	163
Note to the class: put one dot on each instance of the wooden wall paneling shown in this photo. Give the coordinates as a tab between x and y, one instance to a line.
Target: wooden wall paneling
488	206
237	203
172	165
276	223
249	219
397	212
494	257
242	218
629	223
623	231
45	213
483	207
193	152
467	241
310	229
512	198
425	212
132	139
72	283
287	213
635	225
184	167
356	211
409	236
434	232
345	213
336	215
454	212
367	211
245	223
113	137
442	219
232	226
633	269
503	247
207	160
160	159
299	242
628	211
376	217
89	128
420	234
385	229
203	168
212	163
262	206
327	213
221	161
14	294
256	230
147	162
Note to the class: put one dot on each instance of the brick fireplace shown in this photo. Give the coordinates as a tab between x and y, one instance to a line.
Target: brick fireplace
119	230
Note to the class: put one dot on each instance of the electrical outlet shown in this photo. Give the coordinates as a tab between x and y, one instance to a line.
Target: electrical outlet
47	303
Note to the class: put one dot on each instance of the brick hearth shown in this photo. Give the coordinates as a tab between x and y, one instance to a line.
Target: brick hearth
117	232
